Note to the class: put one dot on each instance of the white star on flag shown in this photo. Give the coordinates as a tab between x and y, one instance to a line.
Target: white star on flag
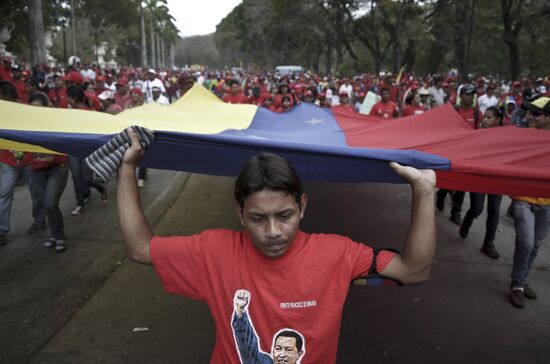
314	121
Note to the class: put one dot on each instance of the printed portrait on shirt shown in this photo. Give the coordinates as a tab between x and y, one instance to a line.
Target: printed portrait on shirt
288	345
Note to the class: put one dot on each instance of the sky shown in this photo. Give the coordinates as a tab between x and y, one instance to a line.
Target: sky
199	17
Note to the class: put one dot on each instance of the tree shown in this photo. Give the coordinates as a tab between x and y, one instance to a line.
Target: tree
513	24
38	40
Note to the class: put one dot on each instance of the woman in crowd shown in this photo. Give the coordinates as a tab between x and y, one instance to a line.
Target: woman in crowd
492	118
413	104
50	173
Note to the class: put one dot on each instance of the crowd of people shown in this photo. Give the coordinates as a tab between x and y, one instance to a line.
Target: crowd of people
483	102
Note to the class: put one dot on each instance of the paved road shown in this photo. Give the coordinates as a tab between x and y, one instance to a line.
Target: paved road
82	306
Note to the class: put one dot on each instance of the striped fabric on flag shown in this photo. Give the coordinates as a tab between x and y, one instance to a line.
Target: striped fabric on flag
106	160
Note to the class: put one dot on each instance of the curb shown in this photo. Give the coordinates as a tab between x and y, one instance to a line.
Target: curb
166	198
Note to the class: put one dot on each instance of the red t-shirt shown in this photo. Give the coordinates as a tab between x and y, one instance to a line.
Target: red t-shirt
39	162
469	115
411	109
239	98
14	158
384	110
304	290
58	97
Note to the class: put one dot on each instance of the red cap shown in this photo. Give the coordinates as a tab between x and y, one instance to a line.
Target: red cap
100	79
516	84
343	93
75	77
308	93
136	90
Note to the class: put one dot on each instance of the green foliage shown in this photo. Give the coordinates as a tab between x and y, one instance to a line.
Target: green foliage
96	21
355	36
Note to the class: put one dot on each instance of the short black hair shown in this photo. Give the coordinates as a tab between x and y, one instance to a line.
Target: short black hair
267	171
8	91
40	96
77	93
294	334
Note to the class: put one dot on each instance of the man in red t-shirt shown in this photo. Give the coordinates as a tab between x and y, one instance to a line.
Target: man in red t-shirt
235	96
385	108
257	281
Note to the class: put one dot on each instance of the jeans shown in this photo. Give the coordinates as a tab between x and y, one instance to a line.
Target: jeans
457	199
477	200
82	176
8	179
531	224
50	184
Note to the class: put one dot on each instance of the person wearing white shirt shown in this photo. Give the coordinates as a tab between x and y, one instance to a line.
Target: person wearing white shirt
158	97
148	85
488	99
347	88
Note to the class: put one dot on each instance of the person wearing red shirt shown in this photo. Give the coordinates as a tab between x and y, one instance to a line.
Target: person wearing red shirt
467	109
283	91
257	281
516	93
344	102
256	97
413	104
472	116
122	94
50	173
323	101
235	95
286	105
268	103
385	108
12	164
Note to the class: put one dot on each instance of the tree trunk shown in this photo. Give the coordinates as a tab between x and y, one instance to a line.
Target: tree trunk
153	54
143	35
38	40
514	60
73	28
159	51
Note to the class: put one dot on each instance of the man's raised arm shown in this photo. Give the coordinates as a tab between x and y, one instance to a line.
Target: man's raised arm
134	227
414	262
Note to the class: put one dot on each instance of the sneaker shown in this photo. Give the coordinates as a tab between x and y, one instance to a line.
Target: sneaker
455	217
36	228
516	298
60	246
440	204
489	250
104	196
77	210
529	293
141	183
49	243
3	239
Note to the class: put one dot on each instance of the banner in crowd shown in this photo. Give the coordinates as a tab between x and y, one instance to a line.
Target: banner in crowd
199	133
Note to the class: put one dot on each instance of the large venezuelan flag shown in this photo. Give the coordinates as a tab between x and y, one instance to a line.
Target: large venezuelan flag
200	133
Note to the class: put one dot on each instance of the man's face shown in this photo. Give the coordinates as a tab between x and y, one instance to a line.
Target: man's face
151	76
272	219
121	89
58	81
467	99
235	88
538	120
385	95
285	350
